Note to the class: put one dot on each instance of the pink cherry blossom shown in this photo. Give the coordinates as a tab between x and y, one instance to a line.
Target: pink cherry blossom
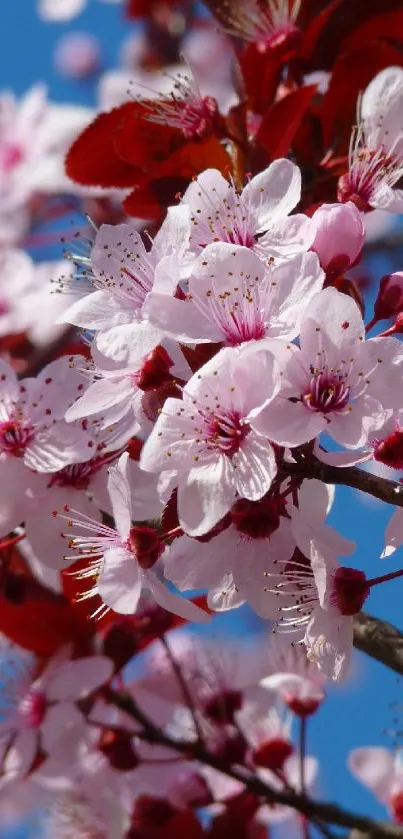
294	677
26	300
269	24
77	55
336	382
257	218
114	559
120	390
339	237
34	138
39	707
260	538
376	151
207	438
234	297
33	434
80	485
381	770
123	273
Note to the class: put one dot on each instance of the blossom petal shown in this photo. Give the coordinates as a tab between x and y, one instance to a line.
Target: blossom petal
119	583
76	679
174	602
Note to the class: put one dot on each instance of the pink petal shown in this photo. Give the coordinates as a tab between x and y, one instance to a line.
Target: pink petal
374	767
174	602
120	495
205	495
119	583
75	679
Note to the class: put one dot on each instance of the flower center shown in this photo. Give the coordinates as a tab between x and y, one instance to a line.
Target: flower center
33	708
14	437
369	168
327	392
396	804
10	156
350	590
258	519
239	235
390	450
226	433
197	116
145	543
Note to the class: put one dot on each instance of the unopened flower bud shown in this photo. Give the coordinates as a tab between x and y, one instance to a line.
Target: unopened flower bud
390	450
117	747
389	302
339	237
273	753
77	55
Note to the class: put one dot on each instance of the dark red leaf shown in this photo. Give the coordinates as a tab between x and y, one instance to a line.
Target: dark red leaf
352	73
93	158
282	120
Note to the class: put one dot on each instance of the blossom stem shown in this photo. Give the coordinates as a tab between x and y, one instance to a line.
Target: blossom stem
385	577
183	686
371	324
302	751
8	543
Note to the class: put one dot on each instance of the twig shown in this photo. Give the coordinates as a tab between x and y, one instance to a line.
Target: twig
380	640
310	467
183	686
193	750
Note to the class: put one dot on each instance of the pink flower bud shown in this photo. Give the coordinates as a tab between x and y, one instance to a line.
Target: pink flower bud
390	296
339	237
77	55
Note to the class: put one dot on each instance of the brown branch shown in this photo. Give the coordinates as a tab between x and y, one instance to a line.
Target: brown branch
310	467
380	640
314	810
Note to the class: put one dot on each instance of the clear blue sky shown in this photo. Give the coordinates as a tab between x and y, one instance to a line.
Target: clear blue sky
357	713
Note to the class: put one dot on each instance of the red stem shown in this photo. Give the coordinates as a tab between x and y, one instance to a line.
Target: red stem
385	577
372	323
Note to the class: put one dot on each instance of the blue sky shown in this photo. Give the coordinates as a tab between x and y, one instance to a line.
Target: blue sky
358	712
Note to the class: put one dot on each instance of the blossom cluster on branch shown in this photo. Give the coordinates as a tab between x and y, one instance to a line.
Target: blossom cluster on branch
177	408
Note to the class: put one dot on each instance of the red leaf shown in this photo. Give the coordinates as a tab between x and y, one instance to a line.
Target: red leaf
261	73
387	26
281	122
351	75
93	158
328	33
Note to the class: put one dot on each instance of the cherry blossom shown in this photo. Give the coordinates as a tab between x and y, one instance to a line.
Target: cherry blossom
336	382
33	433
120	390
269	24
257	218
376	150
63	10
34	137
26	300
294	677
381	770
256	536
234	297
123	275
208	439
117	561
39	707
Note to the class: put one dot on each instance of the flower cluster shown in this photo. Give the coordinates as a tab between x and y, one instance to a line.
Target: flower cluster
178	406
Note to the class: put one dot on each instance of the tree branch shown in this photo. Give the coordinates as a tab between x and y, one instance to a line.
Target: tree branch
310	467
314	810
380	640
